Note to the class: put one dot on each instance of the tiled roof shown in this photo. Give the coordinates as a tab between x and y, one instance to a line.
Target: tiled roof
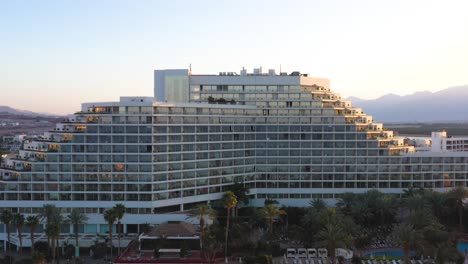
174	229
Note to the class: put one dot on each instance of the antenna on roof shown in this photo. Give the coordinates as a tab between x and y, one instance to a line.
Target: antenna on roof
190	69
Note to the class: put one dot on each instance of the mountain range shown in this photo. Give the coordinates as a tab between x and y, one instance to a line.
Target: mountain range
447	105
13	111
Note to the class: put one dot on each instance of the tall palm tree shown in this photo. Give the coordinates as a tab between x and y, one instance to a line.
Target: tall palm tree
54	219
458	195
77	218
110	216
18	220
201	211
408	237
333	236
439	204
345	202
270	213
53	233
317	205
7	218
32	222
120	212
229	202
49	211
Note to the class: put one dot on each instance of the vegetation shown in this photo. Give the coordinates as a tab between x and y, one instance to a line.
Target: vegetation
229	202
32	222
421	222
54	220
18	220
119	212
77	218
201	211
7	217
212	100
110	215
271	213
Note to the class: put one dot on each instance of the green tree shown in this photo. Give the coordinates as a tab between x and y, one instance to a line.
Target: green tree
53	233
201	211
7	218
439	204
211	246
38	258
18	220
317	204
240	191
54	219
50	212
32	222
270	213
408	237
457	195
77	218
229	202
110	216
346	203
333	236
120	212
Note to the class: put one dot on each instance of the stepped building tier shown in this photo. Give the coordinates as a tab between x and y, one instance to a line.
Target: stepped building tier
287	137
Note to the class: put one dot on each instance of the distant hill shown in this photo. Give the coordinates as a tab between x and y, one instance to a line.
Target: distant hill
10	110
446	105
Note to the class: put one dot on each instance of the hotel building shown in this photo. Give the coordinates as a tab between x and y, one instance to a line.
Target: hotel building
287	137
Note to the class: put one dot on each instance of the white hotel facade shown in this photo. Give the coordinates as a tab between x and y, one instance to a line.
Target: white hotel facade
287	137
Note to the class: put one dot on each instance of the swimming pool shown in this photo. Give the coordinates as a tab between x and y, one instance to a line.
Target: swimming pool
462	247
387	253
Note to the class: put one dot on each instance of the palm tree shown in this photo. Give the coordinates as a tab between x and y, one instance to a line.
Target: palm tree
317	204
18	220
458	195
77	218
49	211
32	222
7	218
438	203
53	233
54	220
120	212
229	202
110	216
270	212
211	246
201	211
240	191
333	236
345	203
408	237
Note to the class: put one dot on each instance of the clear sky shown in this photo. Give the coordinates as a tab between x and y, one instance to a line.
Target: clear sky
55	55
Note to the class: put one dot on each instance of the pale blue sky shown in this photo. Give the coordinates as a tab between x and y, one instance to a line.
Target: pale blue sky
55	55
